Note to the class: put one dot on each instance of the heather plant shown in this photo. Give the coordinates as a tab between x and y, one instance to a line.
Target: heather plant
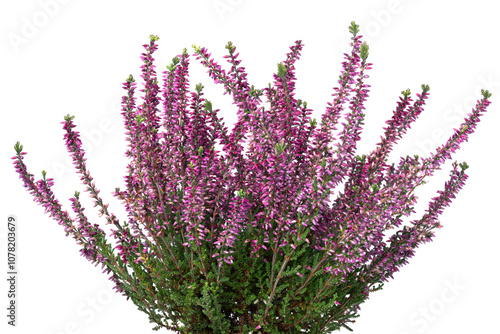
248	242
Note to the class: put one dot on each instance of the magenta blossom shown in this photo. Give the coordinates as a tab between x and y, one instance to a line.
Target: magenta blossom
237	241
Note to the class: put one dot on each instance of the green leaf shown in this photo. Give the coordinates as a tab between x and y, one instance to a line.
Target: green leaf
18	147
406	93
199	88
486	94
68	117
354	28
290	271
323	163
364	51
196	48
230	47
153	38
463	166
208	105
281	70
281	287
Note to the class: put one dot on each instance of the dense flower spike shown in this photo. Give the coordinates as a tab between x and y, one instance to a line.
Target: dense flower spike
207	229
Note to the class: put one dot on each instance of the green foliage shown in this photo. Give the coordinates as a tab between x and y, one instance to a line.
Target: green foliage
364	51
406	93
130	79
486	94
354	28
19	148
281	70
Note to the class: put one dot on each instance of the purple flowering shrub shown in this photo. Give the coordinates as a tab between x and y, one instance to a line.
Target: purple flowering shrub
247	241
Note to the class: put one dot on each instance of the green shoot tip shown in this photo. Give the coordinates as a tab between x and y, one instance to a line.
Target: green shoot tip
486	94
463	166
196	48
364	51
281	70
354	28
68	118
199	87
406	93
18	147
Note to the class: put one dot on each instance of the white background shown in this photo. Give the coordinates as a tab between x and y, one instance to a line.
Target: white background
60	57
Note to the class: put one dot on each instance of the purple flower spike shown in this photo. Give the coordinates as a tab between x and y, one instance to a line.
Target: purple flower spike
237	241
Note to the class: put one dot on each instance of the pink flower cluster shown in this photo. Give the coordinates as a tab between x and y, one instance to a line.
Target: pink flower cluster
179	187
